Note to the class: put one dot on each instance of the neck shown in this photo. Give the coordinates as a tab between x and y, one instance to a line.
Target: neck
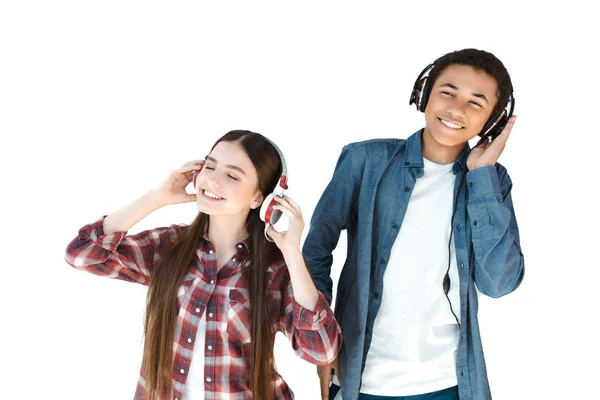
225	231
437	152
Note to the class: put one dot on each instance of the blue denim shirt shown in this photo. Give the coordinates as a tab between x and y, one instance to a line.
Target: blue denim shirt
368	196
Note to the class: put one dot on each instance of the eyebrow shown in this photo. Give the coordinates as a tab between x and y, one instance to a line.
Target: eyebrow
227	166
478	95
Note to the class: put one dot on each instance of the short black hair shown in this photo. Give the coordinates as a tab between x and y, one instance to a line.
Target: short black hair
479	60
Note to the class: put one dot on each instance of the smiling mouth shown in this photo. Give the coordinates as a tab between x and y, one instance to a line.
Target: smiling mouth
451	125
211	195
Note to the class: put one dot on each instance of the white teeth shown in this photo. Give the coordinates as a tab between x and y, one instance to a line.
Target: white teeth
450	124
211	195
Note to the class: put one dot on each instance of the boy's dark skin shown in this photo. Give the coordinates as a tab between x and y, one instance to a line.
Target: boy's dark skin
461	95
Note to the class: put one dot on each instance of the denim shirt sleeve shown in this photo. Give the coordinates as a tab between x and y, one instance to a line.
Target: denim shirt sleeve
330	217
499	262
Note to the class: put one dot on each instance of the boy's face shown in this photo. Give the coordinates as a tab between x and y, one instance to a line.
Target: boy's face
460	103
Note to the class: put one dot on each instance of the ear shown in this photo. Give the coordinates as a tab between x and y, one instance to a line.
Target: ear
258	199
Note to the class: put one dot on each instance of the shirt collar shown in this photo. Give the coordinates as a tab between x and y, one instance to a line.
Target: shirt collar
244	243
413	156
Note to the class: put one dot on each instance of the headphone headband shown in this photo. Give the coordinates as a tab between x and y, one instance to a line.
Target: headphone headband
493	126
284	175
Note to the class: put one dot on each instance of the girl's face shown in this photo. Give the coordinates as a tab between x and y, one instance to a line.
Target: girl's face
228	183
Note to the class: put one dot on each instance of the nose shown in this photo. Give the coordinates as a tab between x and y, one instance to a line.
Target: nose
213	183
456	112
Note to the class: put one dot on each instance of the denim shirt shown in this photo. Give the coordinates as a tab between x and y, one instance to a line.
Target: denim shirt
368	196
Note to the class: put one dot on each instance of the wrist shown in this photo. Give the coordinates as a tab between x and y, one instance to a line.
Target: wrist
156	199
291	253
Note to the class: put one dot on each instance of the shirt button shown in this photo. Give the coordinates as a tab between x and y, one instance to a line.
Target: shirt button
182	371
462	265
208	379
470	184
189	340
209	347
212	282
382	261
395	226
239	246
210	315
407	189
475	222
458	228
197	310
210	252
233	260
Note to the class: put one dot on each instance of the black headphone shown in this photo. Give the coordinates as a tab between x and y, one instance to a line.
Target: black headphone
492	128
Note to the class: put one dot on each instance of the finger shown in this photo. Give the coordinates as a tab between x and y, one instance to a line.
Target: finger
293	204
508	128
337	373
193	162
188	168
287	211
273	234
284	201
324	381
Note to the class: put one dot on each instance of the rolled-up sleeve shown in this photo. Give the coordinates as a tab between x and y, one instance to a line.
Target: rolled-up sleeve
315	335
117	255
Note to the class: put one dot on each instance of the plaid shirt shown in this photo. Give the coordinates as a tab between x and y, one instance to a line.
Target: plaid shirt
222	294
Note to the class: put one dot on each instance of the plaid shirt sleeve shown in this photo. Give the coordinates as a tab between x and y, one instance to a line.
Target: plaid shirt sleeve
315	335
117	255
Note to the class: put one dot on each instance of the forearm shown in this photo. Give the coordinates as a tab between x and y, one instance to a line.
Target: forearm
499	262
123	219
305	292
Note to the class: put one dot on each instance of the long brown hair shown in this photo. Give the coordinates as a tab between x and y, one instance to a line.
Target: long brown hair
161	309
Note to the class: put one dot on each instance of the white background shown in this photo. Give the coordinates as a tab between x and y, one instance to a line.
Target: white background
100	100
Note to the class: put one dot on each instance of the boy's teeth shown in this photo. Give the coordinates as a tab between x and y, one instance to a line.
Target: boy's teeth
451	125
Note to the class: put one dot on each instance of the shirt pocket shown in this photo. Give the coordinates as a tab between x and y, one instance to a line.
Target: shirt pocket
238	316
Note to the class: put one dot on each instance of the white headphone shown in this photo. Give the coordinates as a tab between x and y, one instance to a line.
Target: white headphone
267	214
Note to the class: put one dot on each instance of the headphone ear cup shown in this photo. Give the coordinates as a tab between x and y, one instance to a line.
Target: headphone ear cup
494	126
267	213
422	95
195	175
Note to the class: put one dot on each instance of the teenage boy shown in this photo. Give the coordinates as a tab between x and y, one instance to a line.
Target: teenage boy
430	223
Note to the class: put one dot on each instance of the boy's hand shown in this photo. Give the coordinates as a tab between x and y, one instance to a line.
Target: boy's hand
487	153
324	372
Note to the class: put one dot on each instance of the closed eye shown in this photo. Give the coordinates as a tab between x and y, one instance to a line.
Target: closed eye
447	93
230	176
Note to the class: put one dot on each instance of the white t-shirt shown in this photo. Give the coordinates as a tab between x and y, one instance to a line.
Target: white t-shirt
415	335
194	385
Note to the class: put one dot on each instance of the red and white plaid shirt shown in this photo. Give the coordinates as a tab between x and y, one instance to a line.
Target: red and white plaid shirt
222	294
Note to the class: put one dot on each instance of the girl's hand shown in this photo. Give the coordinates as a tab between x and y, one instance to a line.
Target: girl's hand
172	190
289	240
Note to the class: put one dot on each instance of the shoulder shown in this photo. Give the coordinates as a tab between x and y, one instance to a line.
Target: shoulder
375	146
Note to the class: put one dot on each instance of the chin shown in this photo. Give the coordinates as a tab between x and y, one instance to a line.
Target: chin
451	139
